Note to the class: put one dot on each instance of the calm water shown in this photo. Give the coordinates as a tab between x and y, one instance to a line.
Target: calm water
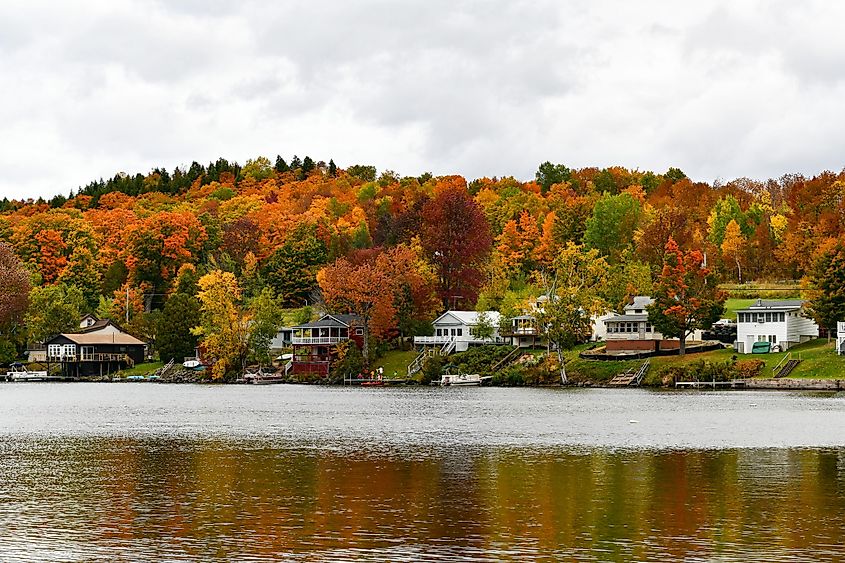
143	472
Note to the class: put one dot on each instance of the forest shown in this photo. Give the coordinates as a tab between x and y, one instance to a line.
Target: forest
225	254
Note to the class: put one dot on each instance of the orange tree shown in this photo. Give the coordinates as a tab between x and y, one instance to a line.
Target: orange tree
685	295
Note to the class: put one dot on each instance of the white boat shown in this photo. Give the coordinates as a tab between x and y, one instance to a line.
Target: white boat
191	364
461	380
18	372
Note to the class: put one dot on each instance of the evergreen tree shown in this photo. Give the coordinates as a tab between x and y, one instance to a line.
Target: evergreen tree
307	166
174	338
281	166
332	168
295	163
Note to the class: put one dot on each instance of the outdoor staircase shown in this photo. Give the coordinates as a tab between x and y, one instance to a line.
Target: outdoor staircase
632	377
507	360
449	347
786	365
787	368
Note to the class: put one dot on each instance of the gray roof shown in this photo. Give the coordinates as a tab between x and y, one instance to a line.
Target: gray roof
627	318
332	321
763	304
640	302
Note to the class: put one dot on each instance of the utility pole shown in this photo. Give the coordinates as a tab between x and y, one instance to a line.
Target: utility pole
127	303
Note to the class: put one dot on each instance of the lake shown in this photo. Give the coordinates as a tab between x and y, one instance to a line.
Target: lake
153	472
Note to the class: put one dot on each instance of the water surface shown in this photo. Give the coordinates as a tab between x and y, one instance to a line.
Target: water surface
143	472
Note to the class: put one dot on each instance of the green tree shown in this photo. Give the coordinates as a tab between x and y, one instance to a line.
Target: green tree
484	328
53	309
827	279
291	270
82	271
685	297
265	312
174	338
281	166
363	172
610	229
332	168
259	169
573	286
307	166
549	174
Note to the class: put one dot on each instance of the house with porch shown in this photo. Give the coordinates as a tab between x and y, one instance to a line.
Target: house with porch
94	353
631	331
315	343
456	331
87	324
781	324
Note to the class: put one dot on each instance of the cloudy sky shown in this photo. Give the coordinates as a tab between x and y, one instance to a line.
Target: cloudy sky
720	89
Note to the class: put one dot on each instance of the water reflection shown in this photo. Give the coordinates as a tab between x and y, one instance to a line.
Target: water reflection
108	499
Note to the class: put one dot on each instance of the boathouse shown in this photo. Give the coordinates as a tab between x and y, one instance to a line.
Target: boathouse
94	353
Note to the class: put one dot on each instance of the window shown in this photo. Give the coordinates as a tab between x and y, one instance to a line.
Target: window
773	339
359	332
54	350
781	317
460	332
768	317
439	332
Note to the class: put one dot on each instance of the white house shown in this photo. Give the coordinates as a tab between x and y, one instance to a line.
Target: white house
455	331
631	330
780	323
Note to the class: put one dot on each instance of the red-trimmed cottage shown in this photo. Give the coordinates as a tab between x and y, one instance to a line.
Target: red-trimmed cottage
315	343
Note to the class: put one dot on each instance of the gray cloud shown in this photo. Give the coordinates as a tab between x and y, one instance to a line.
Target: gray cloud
720	89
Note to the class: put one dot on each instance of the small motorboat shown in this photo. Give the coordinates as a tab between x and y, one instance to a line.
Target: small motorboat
462	379
18	372
191	364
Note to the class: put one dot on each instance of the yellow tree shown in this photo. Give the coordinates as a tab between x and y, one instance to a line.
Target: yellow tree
733	244
223	329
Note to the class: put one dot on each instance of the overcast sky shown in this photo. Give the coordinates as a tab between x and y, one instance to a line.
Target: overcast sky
720	89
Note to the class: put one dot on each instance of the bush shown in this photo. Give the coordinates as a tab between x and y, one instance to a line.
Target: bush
700	370
747	369
432	370
479	360
510	377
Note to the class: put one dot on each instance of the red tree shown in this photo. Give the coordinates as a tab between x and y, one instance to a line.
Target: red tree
14	280
456	238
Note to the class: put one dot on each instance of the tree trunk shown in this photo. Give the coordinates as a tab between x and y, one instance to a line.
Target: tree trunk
683	347
563	378
365	351
738	270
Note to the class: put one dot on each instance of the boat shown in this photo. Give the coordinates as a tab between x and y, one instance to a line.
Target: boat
18	372
191	364
462	379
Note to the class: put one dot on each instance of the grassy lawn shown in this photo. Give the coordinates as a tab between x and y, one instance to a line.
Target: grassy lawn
733	305
140	369
819	361
395	360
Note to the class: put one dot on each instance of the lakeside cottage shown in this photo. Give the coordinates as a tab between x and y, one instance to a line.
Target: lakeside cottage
315	343
456	331
87	324
98	352
781	324
631	331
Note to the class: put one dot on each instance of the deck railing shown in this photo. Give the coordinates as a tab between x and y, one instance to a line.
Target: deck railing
318	339
73	358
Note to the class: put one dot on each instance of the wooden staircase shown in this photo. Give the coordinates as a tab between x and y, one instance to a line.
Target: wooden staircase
786	365
633	377
507	360
787	368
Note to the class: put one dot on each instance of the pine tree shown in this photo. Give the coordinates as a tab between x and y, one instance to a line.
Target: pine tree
281	166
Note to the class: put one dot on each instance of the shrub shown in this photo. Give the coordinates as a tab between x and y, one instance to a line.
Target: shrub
749	368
